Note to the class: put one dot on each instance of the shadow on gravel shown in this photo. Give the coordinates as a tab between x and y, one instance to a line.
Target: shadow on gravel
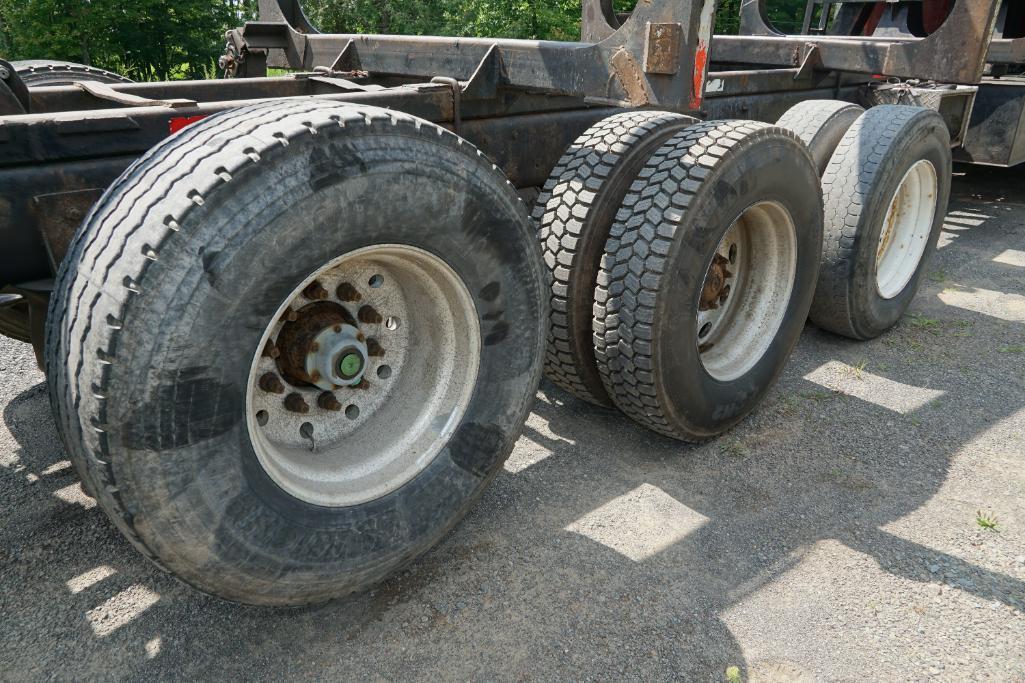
605	552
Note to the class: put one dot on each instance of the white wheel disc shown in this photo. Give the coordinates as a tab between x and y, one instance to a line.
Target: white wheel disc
743	304
389	339
906	229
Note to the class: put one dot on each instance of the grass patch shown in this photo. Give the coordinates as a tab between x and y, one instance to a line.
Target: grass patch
938	275
987	521
856	371
733	674
734	448
1012	348
921	322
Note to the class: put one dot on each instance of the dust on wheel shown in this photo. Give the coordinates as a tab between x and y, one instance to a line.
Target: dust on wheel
885	193
707	277
294	382
574	213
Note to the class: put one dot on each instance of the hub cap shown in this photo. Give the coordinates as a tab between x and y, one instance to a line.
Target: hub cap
746	290
363	375
906	229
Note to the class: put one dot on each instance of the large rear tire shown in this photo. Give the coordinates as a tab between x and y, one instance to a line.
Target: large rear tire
707	277
885	192
281	381
573	213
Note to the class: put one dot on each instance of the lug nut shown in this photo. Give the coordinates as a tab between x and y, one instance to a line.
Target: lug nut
296	404
270	350
346	292
315	291
270	383
289	316
368	314
374	348
724	294
327	401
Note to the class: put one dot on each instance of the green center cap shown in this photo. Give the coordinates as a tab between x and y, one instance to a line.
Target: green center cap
350	365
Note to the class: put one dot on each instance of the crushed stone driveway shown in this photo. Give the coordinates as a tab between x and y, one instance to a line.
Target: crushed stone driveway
837	534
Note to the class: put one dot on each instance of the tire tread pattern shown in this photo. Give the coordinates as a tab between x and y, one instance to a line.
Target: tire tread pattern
560	214
106	262
635	264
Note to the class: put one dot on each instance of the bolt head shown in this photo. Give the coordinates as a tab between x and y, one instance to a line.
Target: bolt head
350	364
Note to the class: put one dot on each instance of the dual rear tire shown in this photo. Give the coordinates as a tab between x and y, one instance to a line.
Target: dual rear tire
703	277
725	242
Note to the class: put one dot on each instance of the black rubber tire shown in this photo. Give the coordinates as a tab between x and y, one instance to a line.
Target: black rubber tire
858	185
686	197
160	305
573	214
820	124
42	72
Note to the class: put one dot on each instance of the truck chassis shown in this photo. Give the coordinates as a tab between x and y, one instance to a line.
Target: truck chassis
403	350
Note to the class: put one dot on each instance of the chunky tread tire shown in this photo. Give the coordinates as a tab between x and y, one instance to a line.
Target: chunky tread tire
820	124
858	185
151	439
683	201
40	72
574	212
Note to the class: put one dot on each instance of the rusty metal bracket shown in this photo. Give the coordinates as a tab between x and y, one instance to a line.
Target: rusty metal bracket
347	59
487	77
457	95
105	92
812	60
657	56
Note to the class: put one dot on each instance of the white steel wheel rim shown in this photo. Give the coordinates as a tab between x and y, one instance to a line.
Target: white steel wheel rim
906	229
760	252
391	428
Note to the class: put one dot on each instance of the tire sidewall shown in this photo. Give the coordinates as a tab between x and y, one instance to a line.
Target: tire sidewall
187	458
923	139
781	170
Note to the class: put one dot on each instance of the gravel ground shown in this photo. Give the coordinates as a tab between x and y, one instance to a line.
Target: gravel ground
835	535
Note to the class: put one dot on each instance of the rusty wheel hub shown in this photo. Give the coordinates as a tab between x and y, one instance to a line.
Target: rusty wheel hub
746	290
343	406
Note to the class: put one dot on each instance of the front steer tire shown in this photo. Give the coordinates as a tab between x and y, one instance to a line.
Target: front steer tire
160	305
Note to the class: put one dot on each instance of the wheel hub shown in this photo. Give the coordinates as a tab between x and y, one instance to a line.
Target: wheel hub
337	357
746	290
363	374
715	290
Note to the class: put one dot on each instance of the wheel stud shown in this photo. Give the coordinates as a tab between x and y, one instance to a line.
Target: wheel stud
315	291
327	401
270	350
296	404
346	292
724	294
374	347
369	314
270	383
289	316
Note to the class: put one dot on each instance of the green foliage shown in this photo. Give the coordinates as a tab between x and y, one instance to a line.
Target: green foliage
162	39
142	39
